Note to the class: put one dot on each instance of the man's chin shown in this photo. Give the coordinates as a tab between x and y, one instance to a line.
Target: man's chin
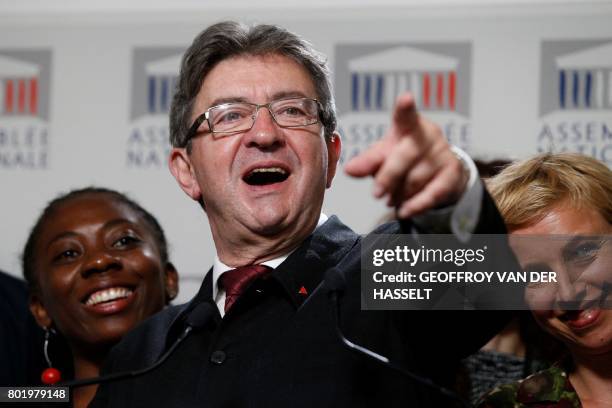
273	220
270	226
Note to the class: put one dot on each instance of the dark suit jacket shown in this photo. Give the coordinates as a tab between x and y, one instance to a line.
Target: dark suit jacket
279	348
21	340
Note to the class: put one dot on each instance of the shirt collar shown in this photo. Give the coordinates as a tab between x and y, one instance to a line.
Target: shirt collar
219	267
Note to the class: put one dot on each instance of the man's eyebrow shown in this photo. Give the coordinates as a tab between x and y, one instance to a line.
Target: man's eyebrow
221	101
288	94
275	96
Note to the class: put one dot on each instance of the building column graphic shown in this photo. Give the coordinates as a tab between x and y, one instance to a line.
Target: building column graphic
33	96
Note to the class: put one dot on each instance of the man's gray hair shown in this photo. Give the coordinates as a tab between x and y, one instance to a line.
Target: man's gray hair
229	39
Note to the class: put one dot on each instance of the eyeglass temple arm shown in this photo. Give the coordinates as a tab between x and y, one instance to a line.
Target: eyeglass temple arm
193	130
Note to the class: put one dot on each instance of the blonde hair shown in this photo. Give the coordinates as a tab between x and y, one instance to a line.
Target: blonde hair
526	190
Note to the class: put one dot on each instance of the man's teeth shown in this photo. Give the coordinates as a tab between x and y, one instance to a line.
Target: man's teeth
106	295
269	170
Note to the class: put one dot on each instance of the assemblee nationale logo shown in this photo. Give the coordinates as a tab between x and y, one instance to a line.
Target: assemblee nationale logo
370	77
154	75
576	98
24	108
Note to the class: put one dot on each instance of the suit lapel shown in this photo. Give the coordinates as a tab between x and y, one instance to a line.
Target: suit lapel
302	272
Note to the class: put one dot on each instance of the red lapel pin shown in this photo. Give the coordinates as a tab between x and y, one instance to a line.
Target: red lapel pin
303	291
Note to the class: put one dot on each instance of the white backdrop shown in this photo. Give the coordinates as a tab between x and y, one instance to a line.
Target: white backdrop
90	84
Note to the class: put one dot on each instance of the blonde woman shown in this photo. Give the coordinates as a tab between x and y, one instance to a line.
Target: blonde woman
560	195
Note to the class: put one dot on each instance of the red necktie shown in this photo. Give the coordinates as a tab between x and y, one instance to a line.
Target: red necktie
235	281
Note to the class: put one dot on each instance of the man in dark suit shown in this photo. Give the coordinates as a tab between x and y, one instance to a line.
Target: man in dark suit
253	127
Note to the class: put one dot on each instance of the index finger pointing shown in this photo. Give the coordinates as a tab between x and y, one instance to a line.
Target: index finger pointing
405	115
368	162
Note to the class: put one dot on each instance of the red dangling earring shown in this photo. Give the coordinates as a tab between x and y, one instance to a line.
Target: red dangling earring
50	375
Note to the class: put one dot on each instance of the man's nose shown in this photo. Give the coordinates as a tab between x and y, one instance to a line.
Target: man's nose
265	133
99	262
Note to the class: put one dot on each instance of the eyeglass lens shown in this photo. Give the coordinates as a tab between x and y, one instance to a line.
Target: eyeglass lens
233	117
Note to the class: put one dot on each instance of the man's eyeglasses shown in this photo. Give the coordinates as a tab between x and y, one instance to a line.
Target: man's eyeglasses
235	117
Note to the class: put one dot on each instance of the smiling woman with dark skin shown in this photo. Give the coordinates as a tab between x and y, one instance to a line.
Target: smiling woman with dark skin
97	265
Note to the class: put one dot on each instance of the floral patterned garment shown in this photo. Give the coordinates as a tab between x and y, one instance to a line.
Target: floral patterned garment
549	388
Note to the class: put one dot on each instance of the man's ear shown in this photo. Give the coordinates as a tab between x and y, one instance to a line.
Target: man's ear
39	312
171	282
334	148
181	168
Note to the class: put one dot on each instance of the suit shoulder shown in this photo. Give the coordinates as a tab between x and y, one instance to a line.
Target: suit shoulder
143	344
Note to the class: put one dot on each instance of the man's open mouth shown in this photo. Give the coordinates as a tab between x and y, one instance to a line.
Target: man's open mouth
265	175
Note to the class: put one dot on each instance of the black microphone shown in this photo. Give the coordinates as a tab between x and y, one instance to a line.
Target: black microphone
336	285
196	319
